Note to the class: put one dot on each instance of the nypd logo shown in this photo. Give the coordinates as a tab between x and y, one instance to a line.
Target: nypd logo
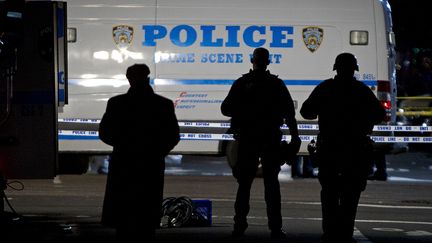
312	37
123	36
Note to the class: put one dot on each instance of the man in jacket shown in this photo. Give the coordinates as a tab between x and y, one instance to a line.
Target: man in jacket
142	128
258	104
347	111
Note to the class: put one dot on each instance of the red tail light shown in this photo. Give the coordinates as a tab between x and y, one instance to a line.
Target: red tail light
386	104
384	96
383	93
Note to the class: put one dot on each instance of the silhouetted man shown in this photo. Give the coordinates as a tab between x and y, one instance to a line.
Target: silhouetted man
142	128
347	111
258	104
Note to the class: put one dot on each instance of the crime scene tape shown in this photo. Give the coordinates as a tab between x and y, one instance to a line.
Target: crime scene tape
382	128
94	135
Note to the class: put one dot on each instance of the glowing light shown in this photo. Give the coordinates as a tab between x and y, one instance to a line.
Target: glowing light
133	55
119	76
101	55
122	54
117	56
89	76
102	82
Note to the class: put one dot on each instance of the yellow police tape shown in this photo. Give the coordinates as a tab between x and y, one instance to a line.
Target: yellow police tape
414	113
414	98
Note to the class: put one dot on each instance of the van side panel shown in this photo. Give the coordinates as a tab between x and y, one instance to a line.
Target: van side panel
197	48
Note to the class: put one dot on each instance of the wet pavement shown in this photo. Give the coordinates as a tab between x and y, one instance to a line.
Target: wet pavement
68	208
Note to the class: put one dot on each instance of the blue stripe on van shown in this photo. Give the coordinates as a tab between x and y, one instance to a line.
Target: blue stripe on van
231	81
291	82
77	137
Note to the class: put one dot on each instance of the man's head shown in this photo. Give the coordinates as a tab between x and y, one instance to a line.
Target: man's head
137	74
260	58
345	64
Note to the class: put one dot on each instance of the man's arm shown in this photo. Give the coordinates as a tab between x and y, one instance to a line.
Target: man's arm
289	113
378	112
309	109
106	126
228	107
171	128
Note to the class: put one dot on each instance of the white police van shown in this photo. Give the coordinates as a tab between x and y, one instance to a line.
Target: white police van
196	49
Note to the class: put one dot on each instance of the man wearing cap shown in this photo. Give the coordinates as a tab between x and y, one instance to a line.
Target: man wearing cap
347	111
258	104
142	128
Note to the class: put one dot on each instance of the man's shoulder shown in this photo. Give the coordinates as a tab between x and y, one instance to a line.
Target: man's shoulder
246	76
117	98
163	100
251	74
361	85
326	83
275	78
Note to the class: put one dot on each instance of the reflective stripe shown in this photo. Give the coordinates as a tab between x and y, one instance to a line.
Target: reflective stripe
93	135
377	128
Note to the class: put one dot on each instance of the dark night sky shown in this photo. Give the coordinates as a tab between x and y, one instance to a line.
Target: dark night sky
411	23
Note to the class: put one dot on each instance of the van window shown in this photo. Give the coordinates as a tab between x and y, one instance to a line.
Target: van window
71	35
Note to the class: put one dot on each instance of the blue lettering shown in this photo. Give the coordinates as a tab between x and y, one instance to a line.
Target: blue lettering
239	58
191	35
280	36
248	36
203	124
273	58
384	128
253	36
204	58
229	58
232	36
277	58
212	58
227	136
153	32
222	58
178	58
208	36
204	136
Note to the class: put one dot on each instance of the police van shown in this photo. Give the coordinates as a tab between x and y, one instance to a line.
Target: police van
197	48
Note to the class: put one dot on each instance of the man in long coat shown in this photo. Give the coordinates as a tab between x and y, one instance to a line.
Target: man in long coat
142	128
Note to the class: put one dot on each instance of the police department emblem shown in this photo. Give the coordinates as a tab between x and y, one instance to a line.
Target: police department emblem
123	35
312	37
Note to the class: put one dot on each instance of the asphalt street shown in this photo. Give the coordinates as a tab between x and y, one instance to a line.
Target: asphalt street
68	208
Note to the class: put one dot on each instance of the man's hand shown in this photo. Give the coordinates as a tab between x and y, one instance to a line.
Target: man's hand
288	151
